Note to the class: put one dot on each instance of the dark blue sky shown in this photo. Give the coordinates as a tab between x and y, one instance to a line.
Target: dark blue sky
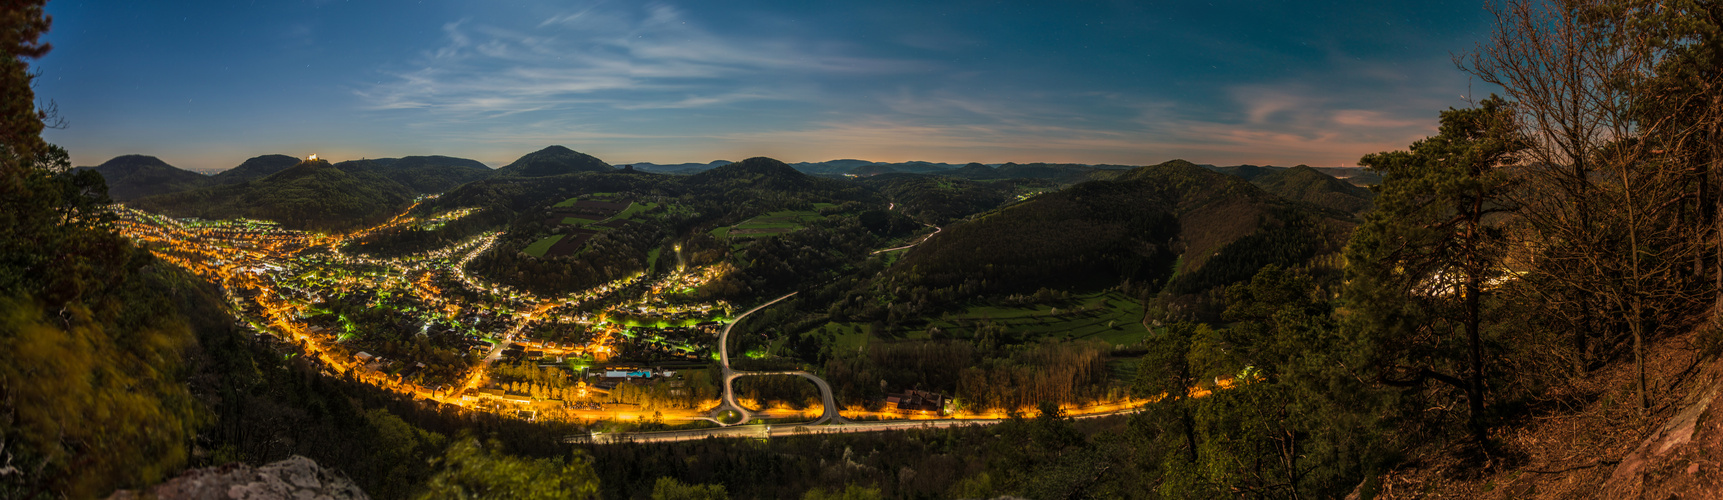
207	84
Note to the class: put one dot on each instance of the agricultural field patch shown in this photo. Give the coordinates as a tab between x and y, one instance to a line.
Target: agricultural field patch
537	248
589	215
572	244
770	224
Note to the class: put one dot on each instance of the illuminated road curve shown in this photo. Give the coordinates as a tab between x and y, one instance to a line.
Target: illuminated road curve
830	415
924	239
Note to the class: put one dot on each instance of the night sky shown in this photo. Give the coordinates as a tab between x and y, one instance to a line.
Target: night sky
206	84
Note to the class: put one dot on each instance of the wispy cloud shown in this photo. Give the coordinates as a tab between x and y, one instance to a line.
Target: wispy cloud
1299	119
596	59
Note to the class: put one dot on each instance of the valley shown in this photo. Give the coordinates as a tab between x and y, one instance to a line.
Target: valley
423	326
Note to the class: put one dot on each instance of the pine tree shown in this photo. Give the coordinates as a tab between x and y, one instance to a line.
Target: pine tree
1423	257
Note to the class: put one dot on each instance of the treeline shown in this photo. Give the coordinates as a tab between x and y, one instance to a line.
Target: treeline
1009	378
1041	455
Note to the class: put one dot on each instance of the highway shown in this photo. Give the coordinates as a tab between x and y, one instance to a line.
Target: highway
764	431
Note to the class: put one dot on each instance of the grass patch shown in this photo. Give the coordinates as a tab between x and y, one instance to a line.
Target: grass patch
652	259
633	208
537	248
767	225
576	221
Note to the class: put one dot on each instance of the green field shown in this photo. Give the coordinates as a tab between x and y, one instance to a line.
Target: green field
633	208
1111	317
538	248
768	225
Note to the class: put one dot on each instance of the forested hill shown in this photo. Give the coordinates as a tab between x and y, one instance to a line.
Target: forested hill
1246	172
135	176
1217	228
759	172
554	160
255	168
309	195
422	174
736	187
1305	184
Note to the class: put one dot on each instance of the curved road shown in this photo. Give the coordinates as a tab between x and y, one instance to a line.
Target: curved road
936	230
830	413
829	416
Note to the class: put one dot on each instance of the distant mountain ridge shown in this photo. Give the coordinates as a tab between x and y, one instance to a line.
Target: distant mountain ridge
680	168
136	177
312	194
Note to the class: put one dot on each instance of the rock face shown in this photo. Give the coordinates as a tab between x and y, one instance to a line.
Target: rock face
296	478
1681	460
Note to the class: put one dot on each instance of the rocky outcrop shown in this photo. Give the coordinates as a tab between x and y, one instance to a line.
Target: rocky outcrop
1683	459
296	478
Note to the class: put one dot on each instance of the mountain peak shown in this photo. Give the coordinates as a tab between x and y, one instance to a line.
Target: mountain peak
554	160
136	176
255	168
756	169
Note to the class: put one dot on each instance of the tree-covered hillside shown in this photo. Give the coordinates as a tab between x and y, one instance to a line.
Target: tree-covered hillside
254	168
1171	223
422	174
937	200
1305	184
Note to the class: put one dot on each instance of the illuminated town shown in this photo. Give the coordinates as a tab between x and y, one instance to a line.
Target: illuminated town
628	350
